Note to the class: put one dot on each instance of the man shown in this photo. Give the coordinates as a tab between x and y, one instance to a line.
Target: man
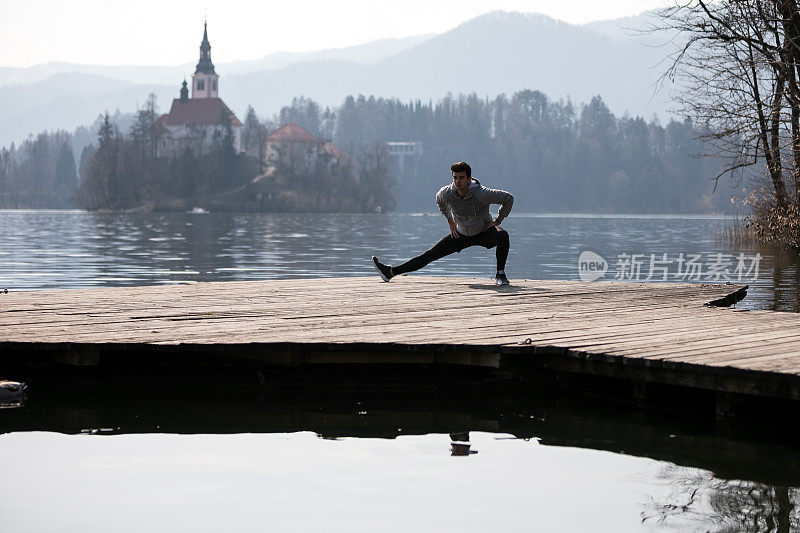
465	205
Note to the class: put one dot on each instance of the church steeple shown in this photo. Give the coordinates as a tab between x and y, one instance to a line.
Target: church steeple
205	65
204	79
184	92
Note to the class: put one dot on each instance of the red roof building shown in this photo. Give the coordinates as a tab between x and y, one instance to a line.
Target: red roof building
200	112
294	146
291	132
196	122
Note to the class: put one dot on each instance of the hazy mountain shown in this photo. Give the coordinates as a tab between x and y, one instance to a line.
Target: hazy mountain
68	111
495	53
626	27
365	53
15	77
164	75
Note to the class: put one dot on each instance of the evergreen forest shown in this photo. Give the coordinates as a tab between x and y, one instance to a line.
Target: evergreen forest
554	157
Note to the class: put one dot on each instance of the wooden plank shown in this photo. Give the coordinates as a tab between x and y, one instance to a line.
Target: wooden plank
675	344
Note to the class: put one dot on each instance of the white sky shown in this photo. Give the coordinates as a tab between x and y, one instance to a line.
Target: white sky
167	32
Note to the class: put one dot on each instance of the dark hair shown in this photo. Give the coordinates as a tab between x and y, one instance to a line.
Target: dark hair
461	166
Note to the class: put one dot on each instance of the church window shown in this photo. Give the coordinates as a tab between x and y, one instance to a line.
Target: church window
200	85
213	85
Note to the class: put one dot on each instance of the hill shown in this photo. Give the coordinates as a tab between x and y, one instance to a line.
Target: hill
491	54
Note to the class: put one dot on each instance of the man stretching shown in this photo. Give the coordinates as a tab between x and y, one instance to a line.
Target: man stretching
465	204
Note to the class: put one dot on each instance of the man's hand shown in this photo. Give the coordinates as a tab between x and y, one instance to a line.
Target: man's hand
492	224
453	228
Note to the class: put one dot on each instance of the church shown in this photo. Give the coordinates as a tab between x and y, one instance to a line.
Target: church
195	122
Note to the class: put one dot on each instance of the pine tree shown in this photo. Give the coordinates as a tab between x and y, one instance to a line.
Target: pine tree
66	176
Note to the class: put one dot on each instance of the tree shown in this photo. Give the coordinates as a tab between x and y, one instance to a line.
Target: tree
185	177
101	185
66	176
375	179
738	70
222	151
328	124
304	112
250	132
5	174
695	498
142	134
254	135
105	133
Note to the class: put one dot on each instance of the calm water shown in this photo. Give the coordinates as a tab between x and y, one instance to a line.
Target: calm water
49	250
299	482
207	460
130	458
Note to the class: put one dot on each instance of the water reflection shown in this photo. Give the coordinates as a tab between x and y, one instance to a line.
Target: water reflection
460	445
252	451
690	497
783	281
299	482
389	409
57	249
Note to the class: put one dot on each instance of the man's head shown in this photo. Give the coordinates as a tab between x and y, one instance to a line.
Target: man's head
461	166
462	176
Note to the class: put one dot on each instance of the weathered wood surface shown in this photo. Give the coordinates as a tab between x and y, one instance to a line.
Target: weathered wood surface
629	326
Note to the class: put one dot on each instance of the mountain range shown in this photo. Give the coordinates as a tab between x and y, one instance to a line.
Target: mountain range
499	52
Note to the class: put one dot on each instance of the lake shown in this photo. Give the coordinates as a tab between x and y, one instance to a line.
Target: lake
74	249
169	458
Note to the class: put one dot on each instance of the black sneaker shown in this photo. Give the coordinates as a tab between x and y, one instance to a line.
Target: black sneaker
500	279
385	271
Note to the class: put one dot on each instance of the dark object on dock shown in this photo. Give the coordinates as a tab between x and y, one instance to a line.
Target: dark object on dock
11	389
11	393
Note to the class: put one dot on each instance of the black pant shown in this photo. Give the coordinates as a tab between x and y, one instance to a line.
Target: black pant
488	238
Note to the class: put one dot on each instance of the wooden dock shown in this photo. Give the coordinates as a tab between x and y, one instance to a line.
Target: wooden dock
680	334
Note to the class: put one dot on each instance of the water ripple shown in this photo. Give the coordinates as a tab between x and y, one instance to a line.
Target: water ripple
75	249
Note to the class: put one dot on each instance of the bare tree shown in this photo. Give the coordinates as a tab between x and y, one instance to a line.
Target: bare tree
691	498
738	73
254	133
374	178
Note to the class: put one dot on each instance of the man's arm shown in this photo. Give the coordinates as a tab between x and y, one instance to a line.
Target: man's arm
453	227
445	209
497	196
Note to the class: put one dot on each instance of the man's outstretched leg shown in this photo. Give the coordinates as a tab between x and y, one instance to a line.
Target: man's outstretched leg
384	271
446	246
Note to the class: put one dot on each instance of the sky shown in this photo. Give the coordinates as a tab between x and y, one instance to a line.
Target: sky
158	32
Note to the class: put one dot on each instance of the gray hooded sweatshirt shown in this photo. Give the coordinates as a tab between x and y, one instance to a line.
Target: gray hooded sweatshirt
471	213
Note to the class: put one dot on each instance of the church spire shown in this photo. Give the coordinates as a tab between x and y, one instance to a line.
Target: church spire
205	66
204	79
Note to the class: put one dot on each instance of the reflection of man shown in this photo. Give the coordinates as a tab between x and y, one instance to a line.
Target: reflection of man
460	444
465	204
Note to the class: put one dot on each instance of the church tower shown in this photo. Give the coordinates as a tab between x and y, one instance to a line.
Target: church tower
193	123
204	79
